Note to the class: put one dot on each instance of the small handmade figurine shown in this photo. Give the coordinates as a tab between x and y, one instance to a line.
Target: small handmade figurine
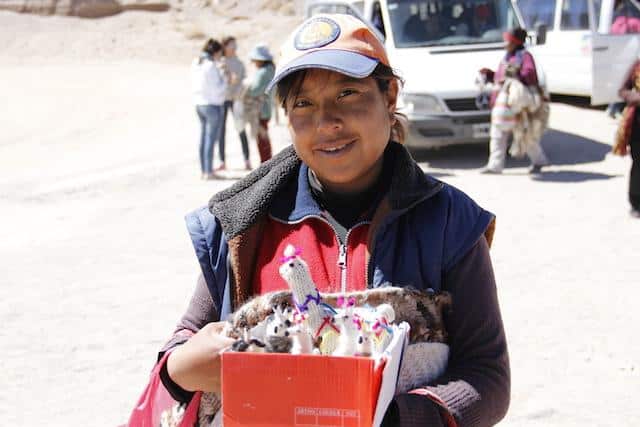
278	339
364	344
316	316
382	331
249	344
302	341
349	326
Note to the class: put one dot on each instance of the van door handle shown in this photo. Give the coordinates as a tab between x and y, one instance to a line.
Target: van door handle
600	48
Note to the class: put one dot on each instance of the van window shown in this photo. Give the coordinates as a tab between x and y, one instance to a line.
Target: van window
575	14
537	12
449	22
626	17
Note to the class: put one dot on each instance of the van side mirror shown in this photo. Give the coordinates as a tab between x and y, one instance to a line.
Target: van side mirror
541	34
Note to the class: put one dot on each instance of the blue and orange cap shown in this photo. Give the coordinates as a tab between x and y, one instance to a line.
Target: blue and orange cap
334	42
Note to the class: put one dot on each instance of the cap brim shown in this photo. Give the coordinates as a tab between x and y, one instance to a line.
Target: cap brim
342	61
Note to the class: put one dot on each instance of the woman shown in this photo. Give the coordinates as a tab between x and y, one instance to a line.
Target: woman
628	135
520	63
344	187
257	103
208	84
232	99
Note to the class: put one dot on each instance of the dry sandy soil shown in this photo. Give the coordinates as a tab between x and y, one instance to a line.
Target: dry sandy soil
99	165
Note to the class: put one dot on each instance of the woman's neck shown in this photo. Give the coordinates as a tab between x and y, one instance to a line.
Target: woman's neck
347	207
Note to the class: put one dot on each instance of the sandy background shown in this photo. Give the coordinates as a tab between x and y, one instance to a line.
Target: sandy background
98	161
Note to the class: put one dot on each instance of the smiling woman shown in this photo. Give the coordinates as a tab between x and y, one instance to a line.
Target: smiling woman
349	196
339	125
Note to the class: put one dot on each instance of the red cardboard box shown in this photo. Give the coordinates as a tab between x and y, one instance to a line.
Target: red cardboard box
269	389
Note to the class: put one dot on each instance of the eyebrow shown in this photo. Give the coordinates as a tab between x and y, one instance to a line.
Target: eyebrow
349	79
344	79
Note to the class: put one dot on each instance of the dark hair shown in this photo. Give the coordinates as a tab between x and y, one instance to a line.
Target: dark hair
290	86
519	33
212	46
261	64
227	40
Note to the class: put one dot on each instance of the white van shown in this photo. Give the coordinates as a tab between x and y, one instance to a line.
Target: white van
590	44
438	46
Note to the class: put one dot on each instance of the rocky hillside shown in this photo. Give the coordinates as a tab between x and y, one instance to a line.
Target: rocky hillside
158	30
82	8
102	8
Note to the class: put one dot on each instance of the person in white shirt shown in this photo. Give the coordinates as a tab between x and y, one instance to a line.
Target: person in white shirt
209	83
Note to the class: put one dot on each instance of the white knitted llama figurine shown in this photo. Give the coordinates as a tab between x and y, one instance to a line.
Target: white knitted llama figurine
305	293
302	342
348	339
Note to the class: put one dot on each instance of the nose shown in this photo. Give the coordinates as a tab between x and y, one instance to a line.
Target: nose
329	120
291	264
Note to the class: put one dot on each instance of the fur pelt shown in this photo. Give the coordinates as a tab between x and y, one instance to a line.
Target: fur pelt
532	112
423	311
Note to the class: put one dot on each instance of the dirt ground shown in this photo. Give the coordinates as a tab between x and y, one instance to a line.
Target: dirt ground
98	155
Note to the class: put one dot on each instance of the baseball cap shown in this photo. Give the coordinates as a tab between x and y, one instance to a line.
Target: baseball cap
334	42
260	53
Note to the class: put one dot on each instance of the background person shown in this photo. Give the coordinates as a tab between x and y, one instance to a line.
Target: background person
520	63
208	84
625	20
628	135
232	97
257	103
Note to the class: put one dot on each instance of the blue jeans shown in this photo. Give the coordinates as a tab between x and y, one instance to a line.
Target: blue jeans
210	123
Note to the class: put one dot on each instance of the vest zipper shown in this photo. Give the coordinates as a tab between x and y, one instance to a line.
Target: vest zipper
342	248
342	256
342	265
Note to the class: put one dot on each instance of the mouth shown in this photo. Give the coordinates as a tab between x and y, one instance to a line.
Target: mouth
336	149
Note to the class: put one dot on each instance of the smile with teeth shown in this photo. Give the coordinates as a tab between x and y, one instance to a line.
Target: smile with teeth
335	149
340	147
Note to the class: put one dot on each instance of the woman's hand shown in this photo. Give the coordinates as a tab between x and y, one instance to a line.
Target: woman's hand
195	365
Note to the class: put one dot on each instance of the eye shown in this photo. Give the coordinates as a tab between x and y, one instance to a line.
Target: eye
301	103
346	92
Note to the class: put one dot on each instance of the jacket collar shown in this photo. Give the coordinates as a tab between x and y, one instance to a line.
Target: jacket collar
280	187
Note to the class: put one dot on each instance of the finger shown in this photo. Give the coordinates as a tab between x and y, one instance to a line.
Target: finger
216	327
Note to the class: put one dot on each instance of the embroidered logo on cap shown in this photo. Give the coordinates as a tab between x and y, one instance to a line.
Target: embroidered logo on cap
315	33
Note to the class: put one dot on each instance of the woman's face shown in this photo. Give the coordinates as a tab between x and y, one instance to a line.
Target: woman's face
510	46
230	49
340	127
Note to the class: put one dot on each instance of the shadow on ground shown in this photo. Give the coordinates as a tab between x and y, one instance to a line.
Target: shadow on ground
562	148
571	176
